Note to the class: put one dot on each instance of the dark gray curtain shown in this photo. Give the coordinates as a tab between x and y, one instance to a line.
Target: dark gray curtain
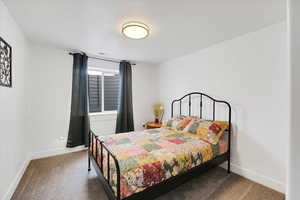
79	121
125	111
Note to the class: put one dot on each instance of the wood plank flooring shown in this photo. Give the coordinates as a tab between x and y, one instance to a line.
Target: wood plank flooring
66	177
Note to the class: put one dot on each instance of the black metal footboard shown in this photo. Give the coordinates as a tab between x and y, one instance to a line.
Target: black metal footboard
93	156
149	193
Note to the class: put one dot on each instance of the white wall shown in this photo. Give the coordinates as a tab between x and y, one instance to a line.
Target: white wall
144	91
13	148
251	73
50	98
293	192
103	124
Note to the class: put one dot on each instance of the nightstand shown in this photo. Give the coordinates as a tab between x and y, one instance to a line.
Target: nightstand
151	125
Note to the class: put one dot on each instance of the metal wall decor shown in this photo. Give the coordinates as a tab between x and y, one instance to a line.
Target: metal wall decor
5	64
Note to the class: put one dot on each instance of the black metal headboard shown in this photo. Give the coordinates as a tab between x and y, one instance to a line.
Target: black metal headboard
201	95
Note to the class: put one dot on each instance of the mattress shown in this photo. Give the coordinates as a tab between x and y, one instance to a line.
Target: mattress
151	156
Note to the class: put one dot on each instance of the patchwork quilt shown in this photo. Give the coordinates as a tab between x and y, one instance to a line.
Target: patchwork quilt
151	156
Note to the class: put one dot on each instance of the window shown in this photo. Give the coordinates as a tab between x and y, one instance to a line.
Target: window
103	90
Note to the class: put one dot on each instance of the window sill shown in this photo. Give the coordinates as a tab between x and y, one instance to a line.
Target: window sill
103	113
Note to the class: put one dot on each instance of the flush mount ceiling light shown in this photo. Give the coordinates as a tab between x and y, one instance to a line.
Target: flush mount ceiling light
135	30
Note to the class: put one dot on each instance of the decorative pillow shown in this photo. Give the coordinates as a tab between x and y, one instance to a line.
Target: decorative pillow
210	131
183	123
192	126
178	122
172	123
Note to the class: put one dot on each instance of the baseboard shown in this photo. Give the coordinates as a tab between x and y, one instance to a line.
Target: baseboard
14	184
34	156
55	152
258	178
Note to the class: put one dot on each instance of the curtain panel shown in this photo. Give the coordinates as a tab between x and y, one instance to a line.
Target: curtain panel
125	109
79	120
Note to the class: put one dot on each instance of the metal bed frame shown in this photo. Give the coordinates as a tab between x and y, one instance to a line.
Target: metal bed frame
168	184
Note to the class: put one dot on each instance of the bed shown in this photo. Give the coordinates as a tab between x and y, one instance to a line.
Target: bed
149	163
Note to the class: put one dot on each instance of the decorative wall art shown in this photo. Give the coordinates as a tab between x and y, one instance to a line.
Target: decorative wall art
5	64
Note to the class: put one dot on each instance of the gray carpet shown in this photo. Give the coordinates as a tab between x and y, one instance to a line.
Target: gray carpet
65	177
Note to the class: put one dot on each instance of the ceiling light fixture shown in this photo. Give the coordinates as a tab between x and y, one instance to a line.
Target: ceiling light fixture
135	30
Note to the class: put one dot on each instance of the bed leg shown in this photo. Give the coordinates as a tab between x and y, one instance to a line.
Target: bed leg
228	167
89	162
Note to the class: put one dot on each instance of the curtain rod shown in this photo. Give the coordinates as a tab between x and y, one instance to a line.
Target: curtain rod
103	59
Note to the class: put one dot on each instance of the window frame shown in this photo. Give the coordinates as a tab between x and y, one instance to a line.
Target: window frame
96	71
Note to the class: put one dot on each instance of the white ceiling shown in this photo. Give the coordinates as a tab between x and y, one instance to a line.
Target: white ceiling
177	27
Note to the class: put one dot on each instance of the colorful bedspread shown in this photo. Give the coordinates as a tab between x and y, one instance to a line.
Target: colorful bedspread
151	156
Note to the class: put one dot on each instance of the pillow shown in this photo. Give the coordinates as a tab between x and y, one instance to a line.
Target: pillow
183	123
210	131
174	122
178	122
